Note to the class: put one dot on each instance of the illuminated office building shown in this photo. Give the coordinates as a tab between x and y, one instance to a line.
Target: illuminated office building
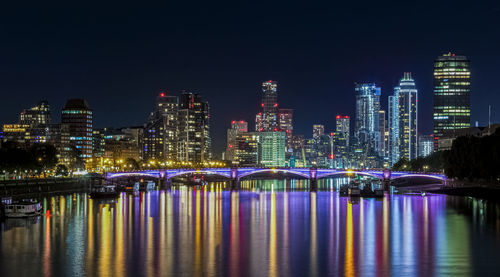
272	148
246	149
237	126
76	130
451	96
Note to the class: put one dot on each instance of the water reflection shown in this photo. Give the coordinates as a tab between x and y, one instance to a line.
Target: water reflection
268	228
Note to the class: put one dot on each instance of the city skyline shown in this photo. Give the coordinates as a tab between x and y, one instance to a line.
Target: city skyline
127	68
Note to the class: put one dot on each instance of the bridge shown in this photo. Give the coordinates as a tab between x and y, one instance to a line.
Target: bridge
313	174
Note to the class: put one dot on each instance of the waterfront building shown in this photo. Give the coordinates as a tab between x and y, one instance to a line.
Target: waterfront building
343	125
18	133
408	117
367	122
272	148
194	144
452	83
37	115
425	145
237	126
159	141
246	149
267	120
318	130
76	132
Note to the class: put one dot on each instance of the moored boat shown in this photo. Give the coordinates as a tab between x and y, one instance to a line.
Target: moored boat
24	208
108	191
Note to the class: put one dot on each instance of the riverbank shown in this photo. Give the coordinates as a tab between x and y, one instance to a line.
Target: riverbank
487	193
30	187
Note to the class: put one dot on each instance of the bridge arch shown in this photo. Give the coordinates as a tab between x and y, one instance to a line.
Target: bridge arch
265	170
437	177
132	174
345	172
194	171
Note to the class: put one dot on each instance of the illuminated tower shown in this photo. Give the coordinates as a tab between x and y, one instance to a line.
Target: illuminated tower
367	124
267	121
76	121
408	123
237	127
451	96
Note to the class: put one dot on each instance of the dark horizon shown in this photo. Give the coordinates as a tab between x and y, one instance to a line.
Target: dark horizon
117	57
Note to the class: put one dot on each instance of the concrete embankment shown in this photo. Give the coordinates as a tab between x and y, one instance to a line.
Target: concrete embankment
13	188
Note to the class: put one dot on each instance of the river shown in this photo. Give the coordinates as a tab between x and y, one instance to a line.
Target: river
265	229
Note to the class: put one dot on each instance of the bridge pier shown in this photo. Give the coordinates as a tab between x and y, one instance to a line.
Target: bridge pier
234	183
313	179
386	181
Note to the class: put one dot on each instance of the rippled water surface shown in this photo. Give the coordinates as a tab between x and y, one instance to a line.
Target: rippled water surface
272	231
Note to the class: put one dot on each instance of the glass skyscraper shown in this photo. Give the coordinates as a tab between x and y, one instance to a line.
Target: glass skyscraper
451	95
393	126
367	123
408	122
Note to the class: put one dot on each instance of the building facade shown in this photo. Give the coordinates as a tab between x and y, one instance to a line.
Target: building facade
194	144
267	120
76	131
237	126
159	140
408	118
367	122
272	149
425	145
452	83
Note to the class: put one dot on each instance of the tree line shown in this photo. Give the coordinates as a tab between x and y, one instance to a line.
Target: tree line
470	158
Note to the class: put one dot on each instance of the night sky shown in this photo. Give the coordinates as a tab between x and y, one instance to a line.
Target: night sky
117	56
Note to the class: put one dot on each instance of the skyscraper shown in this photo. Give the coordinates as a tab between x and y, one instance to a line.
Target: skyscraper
267	120
194	142
76	130
451	95
160	132
367	124
237	127
393	126
246	149
383	134
408	122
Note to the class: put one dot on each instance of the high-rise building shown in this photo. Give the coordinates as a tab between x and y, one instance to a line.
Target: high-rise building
318	130
246	149
425	145
408	123
237	126
341	138
451	95
367	124
393	126
383	134
76	130
267	120
159	140
286	125
272	148
342	123
194	144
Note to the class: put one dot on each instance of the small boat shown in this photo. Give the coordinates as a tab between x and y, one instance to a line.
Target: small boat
24	208
146	186
354	189
108	191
